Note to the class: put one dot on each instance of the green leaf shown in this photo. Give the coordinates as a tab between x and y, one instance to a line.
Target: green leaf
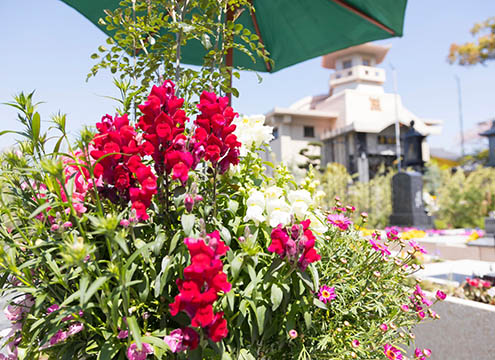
134	328
173	243
320	304
308	320
276	296
260	317
108	351
40	209
35	125
236	265
85	297
187	221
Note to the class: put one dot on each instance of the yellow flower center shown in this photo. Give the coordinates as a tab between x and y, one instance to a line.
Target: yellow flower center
391	355
325	294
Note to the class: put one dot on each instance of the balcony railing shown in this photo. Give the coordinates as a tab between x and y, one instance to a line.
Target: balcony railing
358	72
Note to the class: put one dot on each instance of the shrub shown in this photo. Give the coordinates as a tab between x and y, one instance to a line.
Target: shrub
154	238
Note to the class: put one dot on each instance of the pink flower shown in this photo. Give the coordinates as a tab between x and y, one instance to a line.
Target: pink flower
133	353
440	295
417	247
379	247
75	328
124	222
427	352
355	343
404	308
292	334
340	221
54	227
174	340
58	337
123	334
326	294
384	327
421	314
392	352
67	224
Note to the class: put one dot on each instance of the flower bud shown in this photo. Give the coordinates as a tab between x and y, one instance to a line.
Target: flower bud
189	202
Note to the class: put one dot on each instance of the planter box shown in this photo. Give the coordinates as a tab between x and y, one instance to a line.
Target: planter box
466	330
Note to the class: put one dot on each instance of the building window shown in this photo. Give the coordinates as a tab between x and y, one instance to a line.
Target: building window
309	131
366	62
275	133
347	64
386	140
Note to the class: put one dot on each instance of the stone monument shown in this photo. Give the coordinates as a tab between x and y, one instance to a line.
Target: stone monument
407	201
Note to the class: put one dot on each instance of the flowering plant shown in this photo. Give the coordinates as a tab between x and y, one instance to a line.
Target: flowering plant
155	238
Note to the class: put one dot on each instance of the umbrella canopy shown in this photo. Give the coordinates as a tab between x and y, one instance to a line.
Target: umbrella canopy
292	30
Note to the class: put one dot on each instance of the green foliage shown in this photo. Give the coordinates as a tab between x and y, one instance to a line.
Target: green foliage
472	53
124	277
465	199
374	197
148	35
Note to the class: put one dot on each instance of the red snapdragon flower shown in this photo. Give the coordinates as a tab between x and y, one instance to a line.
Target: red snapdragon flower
214	132
203	279
296	245
120	166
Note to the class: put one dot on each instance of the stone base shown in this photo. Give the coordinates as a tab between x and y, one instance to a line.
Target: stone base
420	221
489	226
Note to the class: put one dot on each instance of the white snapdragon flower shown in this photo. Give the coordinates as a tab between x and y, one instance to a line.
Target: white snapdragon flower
251	130
317	226
278	212
300	201
255	213
255	206
273	193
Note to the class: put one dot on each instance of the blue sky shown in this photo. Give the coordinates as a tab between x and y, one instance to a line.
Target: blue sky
45	45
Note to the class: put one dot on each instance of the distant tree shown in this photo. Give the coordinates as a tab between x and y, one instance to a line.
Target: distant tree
312	153
479	51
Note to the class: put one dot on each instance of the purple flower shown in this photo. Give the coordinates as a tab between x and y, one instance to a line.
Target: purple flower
340	221
123	334
326	294
58	337
75	328
174	340
133	353
417	247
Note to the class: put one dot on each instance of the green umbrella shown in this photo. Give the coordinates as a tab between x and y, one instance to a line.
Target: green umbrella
292	30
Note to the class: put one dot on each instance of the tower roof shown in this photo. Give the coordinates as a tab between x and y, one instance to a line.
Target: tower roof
379	51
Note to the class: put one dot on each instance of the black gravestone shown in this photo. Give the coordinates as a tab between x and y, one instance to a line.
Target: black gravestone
407	201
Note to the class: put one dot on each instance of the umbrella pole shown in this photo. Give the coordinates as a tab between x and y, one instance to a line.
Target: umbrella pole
229	58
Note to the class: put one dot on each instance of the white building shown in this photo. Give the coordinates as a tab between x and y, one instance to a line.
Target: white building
354	121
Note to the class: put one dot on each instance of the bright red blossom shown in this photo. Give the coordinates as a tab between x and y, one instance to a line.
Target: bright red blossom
214	133
203	279
296	245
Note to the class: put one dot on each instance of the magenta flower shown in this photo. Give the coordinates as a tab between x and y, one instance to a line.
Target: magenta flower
326	294
75	328
123	334
384	327
379	247
293	334
404	308
58	337
392	352
174	340
133	353
355	343
441	295
417	247
52	308
340	221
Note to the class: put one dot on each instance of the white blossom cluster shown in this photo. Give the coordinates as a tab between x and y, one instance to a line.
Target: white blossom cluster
271	205
251	130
